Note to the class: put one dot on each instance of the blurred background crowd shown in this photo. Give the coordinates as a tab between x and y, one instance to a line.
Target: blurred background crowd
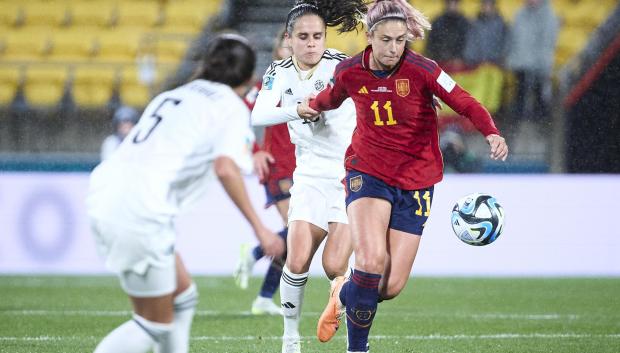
74	72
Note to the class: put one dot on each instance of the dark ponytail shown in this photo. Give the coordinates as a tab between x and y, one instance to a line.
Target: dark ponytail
228	59
344	13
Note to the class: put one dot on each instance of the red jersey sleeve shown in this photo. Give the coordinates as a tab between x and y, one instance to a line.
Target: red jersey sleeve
444	87
333	96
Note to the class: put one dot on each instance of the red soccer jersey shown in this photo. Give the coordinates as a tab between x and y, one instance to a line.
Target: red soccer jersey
276	141
396	139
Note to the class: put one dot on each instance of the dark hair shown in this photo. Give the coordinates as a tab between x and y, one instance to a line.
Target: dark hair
228	59
343	13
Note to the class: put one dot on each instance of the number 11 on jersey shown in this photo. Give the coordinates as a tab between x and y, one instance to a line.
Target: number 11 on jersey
388	108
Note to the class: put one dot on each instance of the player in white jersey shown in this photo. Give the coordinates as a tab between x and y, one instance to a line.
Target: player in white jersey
161	168
317	204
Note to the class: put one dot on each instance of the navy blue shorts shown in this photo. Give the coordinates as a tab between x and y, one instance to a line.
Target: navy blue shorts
277	190
410	208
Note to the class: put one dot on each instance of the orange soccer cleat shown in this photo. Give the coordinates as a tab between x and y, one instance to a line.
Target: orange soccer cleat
332	315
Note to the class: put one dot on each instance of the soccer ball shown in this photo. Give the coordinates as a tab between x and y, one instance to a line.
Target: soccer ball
477	219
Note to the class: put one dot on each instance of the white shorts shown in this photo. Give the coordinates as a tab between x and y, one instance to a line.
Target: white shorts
317	201
142	257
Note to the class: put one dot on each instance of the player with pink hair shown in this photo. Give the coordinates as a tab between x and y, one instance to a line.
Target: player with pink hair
393	161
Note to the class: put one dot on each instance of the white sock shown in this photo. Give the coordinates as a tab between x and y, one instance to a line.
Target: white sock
135	336
184	309
292	288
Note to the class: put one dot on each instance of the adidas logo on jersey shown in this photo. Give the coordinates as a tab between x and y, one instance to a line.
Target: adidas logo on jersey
289	91
363	90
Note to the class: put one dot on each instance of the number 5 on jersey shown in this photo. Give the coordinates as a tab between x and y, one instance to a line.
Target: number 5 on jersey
139	139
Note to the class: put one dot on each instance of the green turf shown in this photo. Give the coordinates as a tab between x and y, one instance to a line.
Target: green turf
71	314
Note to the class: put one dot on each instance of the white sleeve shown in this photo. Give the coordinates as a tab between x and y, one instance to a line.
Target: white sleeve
236	140
266	111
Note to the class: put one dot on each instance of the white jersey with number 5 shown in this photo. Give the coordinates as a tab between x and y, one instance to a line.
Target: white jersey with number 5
163	164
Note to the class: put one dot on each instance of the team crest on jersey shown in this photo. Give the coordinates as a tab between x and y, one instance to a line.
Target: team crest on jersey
268	82
402	87
355	183
319	85
285	185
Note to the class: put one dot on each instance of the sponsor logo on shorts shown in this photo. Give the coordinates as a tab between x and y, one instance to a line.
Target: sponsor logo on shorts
355	183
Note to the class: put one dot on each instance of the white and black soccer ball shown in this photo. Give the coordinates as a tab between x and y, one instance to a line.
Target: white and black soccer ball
477	219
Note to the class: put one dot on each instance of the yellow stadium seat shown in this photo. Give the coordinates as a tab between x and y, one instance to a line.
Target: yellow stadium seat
45	13
44	86
431	9
134	91
24	45
11	14
170	50
349	43
138	13
571	40
118	46
188	16
10	77
509	8
99	13
93	85
72	45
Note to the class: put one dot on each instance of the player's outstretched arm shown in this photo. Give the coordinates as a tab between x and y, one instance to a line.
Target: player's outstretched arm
230	176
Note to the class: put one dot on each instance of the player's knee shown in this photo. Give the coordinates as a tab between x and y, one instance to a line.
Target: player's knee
392	289
296	265
334	267
370	262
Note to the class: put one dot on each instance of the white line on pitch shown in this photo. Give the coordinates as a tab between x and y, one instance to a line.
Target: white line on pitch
375	337
551	316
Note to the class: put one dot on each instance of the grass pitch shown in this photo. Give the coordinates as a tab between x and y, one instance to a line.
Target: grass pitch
71	314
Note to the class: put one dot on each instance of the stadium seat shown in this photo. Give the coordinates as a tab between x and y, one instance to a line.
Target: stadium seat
92	13
44	86
431	9
118	46
72	45
170	49
25	45
11	14
9	83
188	16
45	13
93	85
138	13
571	40
349	43
134	91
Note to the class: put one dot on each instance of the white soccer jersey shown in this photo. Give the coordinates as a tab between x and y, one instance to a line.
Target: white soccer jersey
319	146
164	162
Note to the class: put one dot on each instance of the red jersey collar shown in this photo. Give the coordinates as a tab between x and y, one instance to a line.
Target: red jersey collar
366	62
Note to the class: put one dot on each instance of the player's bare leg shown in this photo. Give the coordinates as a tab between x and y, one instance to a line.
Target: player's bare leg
151	327
185	301
338	249
303	240
402	248
360	295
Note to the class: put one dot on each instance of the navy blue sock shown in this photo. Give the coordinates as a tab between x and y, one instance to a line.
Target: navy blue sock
257	252
362	294
272	278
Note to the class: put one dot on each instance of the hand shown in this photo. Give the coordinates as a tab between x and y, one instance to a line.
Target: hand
437	103
262	161
305	112
270	242
499	148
